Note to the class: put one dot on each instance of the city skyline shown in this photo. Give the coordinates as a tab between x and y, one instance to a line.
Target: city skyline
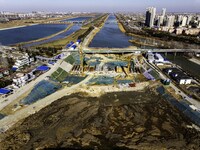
98	6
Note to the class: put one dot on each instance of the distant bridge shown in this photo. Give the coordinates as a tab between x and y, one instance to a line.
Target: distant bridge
55	22
75	22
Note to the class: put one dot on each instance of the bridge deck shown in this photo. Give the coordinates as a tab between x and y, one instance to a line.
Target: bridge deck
119	51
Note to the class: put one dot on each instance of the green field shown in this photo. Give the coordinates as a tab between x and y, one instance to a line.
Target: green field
59	75
70	59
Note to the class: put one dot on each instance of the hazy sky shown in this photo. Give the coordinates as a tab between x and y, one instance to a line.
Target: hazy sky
99	5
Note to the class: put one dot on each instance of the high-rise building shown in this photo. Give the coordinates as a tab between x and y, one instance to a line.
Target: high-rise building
189	19
180	18
162	16
184	21
163	11
170	21
160	21
150	16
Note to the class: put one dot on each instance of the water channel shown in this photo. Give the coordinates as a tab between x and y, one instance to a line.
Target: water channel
81	19
59	36
29	33
111	36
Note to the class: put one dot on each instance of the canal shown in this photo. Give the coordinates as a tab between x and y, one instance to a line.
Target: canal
76	19
111	36
57	37
29	33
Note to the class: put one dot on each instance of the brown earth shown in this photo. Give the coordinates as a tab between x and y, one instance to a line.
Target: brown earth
124	120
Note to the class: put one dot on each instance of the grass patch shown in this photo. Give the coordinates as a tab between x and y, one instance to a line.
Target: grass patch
59	75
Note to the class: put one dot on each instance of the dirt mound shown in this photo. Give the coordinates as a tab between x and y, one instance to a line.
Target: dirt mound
129	120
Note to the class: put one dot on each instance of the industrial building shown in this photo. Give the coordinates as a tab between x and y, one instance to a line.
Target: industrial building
178	76
158	58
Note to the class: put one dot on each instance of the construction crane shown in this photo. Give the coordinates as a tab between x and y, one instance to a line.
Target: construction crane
81	58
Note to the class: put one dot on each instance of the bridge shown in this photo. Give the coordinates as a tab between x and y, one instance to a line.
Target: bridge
126	50
55	22
75	22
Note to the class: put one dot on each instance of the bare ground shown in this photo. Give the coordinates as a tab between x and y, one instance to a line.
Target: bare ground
124	120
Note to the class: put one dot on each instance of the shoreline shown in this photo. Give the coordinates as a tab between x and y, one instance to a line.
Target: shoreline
2	29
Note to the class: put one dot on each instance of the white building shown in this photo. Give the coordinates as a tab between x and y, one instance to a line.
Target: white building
20	79
189	19
150	57
180	18
160	21
25	60
170	21
184	21
163	16
158	58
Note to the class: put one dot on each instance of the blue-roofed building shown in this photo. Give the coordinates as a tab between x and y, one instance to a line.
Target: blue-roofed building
73	47
42	68
70	44
78	41
14	68
4	91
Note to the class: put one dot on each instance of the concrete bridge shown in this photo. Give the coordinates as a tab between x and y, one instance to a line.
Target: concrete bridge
112	51
55	22
126	50
75	22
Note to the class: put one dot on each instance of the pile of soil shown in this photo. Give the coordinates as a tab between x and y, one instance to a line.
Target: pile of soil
124	120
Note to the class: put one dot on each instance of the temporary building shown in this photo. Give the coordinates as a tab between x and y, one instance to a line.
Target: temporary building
4	91
42	68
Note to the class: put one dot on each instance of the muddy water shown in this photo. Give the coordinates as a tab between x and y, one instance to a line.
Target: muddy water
134	120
